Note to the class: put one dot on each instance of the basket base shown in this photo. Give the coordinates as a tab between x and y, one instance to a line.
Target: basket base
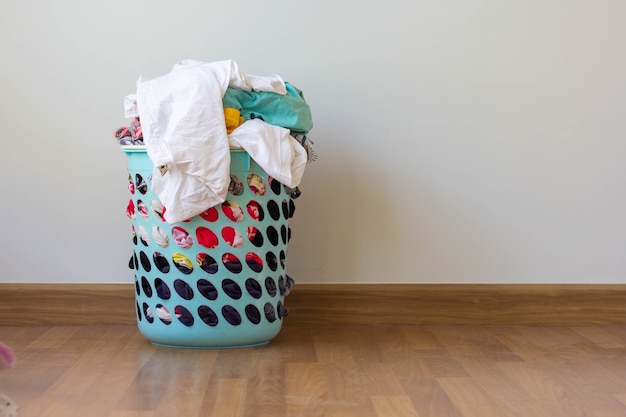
164	345
243	336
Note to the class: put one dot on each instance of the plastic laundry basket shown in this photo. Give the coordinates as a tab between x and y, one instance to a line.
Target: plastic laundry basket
217	280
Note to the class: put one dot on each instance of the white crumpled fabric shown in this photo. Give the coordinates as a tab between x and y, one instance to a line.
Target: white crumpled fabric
184	131
273	148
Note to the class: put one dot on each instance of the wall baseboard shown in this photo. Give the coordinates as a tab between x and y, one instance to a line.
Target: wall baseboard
344	304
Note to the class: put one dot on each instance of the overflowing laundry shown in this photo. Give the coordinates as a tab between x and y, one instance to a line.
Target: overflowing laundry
288	110
190	118
130	135
210	245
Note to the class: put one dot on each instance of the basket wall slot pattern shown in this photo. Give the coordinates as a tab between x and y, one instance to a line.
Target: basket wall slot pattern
219	279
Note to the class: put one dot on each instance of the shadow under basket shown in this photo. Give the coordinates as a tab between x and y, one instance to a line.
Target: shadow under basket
217	280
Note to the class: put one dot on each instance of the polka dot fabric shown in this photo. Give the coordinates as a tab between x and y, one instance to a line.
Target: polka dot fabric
217	280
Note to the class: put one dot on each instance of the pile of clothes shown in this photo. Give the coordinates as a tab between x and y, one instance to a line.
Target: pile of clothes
190	118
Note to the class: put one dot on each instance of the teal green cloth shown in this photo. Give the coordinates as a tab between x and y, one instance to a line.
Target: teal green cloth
289	110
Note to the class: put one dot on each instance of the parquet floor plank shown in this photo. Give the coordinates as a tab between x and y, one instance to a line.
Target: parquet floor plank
429	398
393	405
390	371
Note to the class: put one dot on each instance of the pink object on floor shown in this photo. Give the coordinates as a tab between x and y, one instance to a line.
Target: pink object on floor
7	357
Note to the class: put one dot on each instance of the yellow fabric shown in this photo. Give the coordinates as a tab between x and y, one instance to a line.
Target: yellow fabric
233	119
181	259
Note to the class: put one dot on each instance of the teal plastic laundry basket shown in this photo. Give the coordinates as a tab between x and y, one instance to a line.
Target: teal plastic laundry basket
217	280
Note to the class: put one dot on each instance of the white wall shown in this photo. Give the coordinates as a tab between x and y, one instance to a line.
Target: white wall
475	141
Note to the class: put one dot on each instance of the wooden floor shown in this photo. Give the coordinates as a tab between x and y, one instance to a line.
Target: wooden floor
428	371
